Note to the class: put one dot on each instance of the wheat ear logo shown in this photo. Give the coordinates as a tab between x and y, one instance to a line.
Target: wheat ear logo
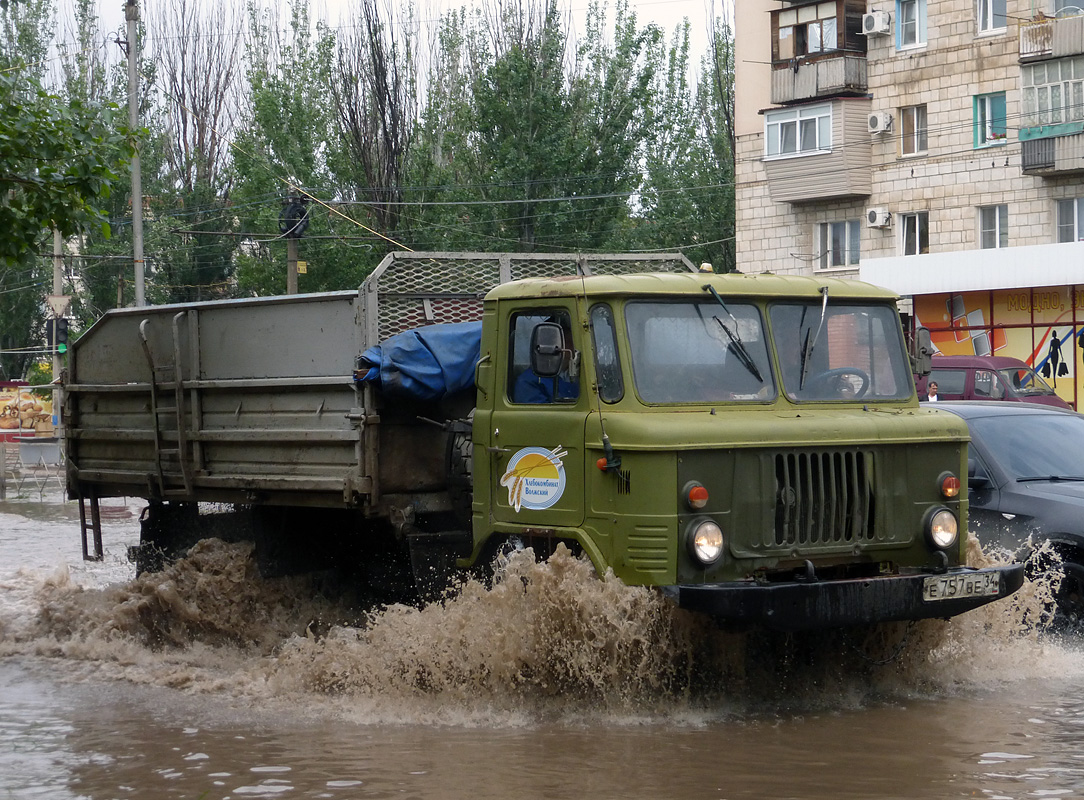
535	478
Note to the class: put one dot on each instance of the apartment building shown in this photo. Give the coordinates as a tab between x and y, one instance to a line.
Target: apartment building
935	147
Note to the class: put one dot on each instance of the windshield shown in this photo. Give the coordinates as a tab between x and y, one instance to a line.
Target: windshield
1024	381
841	352
700	352
1034	445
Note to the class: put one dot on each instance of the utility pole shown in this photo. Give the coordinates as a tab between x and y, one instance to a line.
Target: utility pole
58	303
131	14
291	265
293	220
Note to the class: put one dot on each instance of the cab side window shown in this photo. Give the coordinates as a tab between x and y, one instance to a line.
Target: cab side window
950	383
524	386
611	385
988	385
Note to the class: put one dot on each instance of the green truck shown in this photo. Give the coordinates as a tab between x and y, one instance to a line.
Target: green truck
751	445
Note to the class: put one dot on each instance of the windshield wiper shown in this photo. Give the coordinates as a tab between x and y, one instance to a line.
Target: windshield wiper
807	346
735	338
1052	478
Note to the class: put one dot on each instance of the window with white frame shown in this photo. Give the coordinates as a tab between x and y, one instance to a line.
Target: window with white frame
915	230
913	130
990	124
798	131
838	243
910	23
1071	220
992	16
993	227
1052	92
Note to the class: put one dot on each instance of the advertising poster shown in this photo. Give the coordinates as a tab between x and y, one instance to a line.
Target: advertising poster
24	413
1040	327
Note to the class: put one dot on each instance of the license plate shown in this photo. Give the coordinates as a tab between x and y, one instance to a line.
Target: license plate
974	584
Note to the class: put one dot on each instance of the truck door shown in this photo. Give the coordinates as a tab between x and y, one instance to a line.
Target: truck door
536	433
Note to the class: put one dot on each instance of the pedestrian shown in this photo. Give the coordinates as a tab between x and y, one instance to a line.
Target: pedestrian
931	392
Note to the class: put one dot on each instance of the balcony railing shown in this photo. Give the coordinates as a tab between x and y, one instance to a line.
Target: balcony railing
1053	156
1052	37
826	77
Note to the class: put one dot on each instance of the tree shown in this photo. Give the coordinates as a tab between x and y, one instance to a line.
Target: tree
190	168
374	93
59	162
688	197
284	148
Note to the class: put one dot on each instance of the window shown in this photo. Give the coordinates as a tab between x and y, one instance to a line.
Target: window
950	383
840	352
988	385
796	131
702	352
1052	92
910	23
611	386
913	130
807	30
1071	220
916	233
993	227
838	243
990	127
992	15
524	386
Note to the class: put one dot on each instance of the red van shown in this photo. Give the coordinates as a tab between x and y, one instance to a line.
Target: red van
988	378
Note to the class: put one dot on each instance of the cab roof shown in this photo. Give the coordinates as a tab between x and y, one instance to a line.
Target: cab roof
689	284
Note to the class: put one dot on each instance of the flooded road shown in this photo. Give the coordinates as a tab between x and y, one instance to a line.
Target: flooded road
208	682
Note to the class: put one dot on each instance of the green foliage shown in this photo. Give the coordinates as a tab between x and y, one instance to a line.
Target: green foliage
59	163
283	150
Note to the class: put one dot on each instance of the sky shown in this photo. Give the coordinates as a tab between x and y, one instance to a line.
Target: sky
665	13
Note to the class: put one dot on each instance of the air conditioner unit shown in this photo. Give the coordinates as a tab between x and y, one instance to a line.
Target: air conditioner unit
880	121
878	218
876	23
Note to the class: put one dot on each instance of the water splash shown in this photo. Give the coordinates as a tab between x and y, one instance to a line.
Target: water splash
550	639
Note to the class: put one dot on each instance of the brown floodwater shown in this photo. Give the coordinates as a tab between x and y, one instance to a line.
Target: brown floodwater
208	681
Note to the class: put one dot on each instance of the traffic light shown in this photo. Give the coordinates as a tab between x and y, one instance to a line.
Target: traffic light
60	342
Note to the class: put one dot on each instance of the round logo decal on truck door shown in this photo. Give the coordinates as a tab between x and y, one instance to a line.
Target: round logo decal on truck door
535	478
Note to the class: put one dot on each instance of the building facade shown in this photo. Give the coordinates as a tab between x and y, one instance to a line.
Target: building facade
935	147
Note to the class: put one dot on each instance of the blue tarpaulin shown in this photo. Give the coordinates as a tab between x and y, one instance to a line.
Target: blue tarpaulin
424	363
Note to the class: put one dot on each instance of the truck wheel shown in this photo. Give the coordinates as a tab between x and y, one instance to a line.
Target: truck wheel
1069	616
165	532
460	469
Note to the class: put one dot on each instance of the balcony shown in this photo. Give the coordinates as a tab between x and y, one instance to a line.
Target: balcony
1054	37
1053	156
824	77
843	171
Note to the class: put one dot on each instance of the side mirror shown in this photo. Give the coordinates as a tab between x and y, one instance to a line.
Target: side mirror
922	359
976	475
547	350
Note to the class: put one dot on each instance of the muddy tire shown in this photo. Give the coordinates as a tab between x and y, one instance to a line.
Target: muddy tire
166	531
460	470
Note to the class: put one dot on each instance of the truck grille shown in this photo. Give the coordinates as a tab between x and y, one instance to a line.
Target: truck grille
823	498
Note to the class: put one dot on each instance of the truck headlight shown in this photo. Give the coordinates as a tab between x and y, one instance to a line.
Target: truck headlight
942	529
705	541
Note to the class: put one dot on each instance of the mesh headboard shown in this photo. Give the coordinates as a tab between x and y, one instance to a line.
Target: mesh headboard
408	290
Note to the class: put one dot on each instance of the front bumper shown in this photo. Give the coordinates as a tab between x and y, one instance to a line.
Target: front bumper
795	606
